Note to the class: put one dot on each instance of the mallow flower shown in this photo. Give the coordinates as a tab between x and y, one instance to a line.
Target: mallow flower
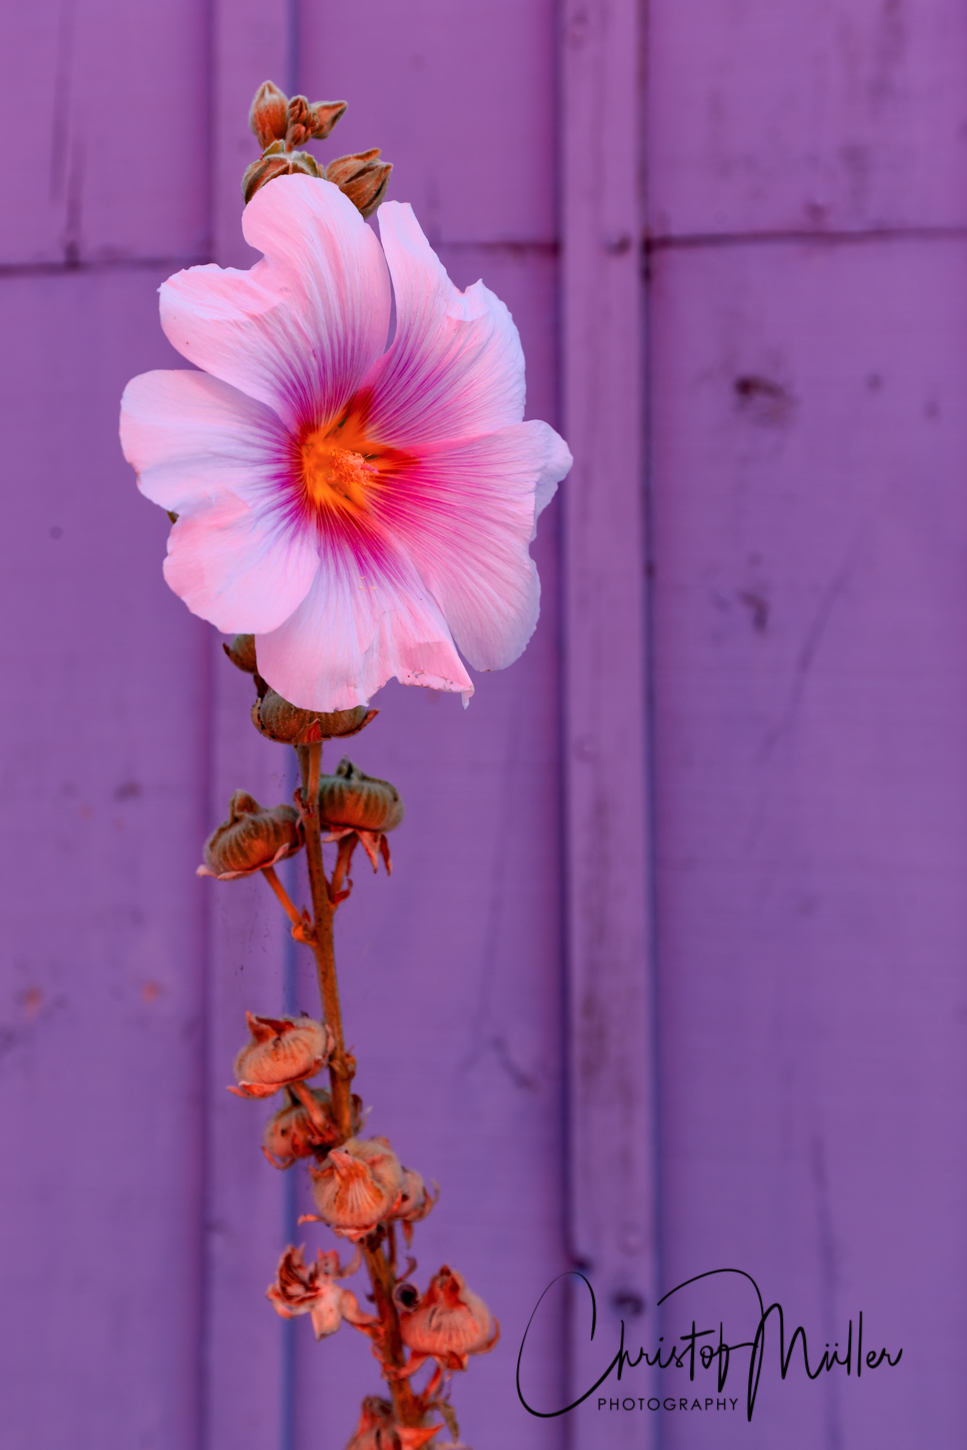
356	489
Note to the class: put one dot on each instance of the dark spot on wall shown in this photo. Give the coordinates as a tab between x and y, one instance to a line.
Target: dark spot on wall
127	790
628	1304
759	608
763	400
874	382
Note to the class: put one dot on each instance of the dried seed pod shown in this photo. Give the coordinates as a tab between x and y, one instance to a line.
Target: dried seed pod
313	1289
324	115
357	1186
295	1132
416	1201
377	1429
251	838
362	802
241	651
267	117
449	1323
362	178
281	1050
276	719
277	161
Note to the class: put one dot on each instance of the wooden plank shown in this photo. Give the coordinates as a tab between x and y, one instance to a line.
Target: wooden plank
770	115
810	530
112	112
608	861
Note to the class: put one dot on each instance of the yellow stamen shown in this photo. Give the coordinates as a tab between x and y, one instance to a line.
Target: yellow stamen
336	477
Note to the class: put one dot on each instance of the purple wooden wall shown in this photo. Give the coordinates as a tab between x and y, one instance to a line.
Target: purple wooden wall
786	899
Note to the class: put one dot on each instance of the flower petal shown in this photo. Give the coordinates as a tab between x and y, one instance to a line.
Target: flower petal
190	437
366	619
299	330
466	515
455	368
244	570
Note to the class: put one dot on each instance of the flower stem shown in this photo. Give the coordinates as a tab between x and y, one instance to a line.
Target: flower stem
341	1066
269	873
407	1405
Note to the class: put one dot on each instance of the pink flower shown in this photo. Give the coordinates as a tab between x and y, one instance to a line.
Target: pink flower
363	510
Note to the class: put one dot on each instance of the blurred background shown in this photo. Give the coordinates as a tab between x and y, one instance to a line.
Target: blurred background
670	973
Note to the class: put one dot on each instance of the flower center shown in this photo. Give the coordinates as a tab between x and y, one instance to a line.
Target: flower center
336	477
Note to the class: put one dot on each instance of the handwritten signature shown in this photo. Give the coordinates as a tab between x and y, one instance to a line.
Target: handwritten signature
718	1354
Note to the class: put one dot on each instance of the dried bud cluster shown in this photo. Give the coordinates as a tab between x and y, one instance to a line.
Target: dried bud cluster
251	839
276	719
313	1289
296	1131
378	1430
358	1186
281	1050
282	125
449	1323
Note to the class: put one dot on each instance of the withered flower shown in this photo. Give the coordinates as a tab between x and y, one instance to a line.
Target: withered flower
357	1186
351	802
281	1050
295	1131
313	1289
362	178
251	839
276	719
415	1203
377	1429
449	1324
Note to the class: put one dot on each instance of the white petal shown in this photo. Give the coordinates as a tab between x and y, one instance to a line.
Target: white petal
299	330
465	514
455	368
366	619
243	570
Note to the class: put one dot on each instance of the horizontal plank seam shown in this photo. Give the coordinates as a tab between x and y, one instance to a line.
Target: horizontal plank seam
119	264
686	240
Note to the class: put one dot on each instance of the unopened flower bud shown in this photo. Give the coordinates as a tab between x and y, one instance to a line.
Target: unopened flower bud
378	1430
350	798
324	115
276	161
362	178
313	1289
449	1323
281	1050
276	719
267	117
357	1186
296	1130
251	839
241	651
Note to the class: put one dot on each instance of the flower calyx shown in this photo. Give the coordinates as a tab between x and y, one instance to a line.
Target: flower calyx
362	177
378	1429
416	1202
354	804
313	1289
252	839
358	1186
276	719
281	1052
449	1324
305	1125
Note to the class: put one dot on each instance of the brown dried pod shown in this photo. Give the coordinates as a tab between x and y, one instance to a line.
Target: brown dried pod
276	161
362	802
449	1323
296	1130
267	116
357	1186
241	651
362	178
276	719
313	1289
281	1050
325	114
251	839
378	1430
